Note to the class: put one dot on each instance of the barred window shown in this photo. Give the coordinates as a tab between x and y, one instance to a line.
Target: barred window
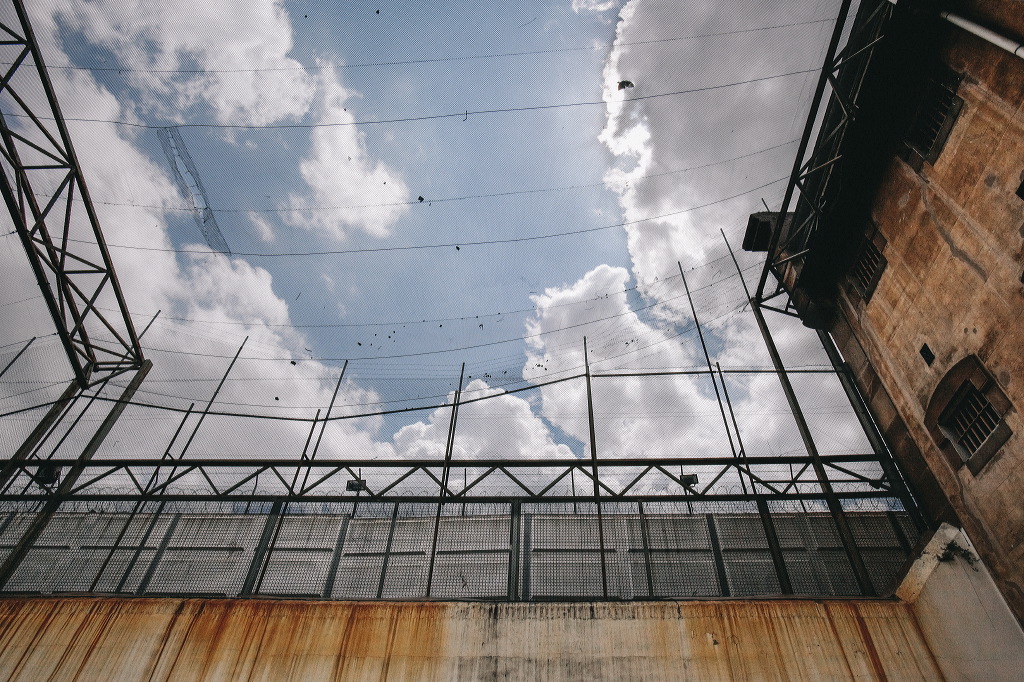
936	114
970	419
870	264
967	415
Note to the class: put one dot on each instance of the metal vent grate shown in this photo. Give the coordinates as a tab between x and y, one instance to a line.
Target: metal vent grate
972	419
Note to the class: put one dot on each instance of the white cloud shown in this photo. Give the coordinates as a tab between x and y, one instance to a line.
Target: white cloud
503	426
654	139
340	172
263	227
593	5
236	51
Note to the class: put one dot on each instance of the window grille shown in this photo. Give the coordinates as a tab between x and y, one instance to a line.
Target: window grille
870	264
971	419
936	115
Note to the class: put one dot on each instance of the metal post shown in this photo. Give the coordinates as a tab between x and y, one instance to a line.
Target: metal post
515	516
716	553
261	553
339	548
138	549
157	558
645	539
711	372
206	410
327	416
387	552
835	508
449	446
11	562
42	431
15	358
774	548
871	430
593	461
736	427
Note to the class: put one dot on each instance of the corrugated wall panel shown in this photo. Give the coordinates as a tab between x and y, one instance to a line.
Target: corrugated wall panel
210	639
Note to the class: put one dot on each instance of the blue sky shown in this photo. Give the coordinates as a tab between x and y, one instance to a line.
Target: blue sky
277	106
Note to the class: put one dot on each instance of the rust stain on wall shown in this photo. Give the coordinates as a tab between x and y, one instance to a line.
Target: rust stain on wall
234	639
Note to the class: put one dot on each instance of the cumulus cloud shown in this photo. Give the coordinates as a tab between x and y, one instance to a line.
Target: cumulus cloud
660	49
593	5
232	55
339	172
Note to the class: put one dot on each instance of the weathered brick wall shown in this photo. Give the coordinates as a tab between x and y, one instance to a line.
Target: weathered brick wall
955	251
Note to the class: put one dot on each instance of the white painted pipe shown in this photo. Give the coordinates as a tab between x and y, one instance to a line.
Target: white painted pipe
1011	46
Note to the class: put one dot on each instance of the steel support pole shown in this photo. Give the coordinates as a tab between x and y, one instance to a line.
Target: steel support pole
646	541
834	506
38	525
774	548
443	493
260	556
339	549
594	466
514	550
387	552
871	430
40	432
711	371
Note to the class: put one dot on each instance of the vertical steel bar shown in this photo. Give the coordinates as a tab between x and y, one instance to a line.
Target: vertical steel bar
449	446
515	516
871	430
17	554
711	372
330	408
260	554
41	432
835	507
387	552
646	540
716	553
774	548
736	427
206	410
158	557
141	546
594	466
339	549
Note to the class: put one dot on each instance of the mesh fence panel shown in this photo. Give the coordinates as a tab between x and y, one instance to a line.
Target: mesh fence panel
494	551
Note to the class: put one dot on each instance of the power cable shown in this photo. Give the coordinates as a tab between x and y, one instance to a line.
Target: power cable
384	249
448	58
509	193
432	117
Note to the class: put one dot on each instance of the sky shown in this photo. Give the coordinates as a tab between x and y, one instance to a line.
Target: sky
407	187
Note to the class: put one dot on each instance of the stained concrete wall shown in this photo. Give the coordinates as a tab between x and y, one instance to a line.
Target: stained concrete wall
962	615
955	251
195	639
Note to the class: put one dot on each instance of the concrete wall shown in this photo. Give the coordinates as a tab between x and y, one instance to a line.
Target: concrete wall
962	615
193	639
955	251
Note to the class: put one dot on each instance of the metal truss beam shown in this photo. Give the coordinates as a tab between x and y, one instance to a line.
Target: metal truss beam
45	192
816	176
614	480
